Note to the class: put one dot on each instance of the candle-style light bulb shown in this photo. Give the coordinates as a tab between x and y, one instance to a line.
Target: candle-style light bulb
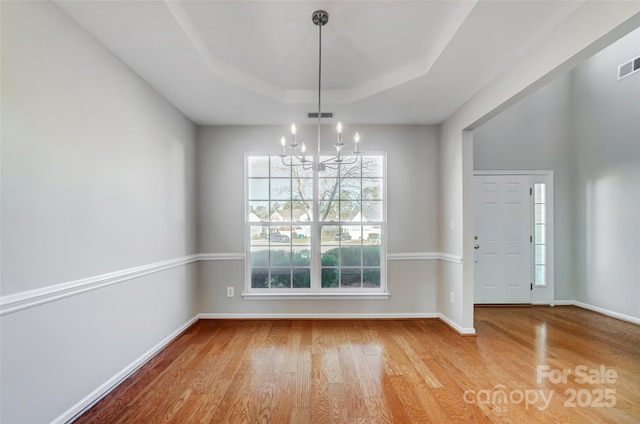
283	142
356	139
303	148
293	144
339	130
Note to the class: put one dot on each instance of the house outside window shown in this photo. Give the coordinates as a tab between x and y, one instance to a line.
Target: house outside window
314	231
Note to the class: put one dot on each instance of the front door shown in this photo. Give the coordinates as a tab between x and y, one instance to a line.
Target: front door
502	260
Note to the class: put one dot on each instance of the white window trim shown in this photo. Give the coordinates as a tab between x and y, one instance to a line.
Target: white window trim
316	292
314	296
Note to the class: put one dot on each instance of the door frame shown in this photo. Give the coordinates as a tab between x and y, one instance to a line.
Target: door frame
540	295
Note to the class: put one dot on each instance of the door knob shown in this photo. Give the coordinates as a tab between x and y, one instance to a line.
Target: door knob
477	246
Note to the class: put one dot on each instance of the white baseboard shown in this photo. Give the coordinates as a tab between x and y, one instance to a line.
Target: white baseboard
425	315
104	389
463	331
318	315
609	313
602	311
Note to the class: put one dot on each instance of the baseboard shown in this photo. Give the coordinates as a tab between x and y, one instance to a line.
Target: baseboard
319	316
462	331
601	311
428	315
104	389
608	313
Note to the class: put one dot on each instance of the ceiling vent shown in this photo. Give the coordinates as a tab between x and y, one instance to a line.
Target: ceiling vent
628	68
324	115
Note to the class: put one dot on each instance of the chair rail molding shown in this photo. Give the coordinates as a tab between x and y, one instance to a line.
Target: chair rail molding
424	256
30	298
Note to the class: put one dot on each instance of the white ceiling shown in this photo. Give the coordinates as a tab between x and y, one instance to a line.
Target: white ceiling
256	62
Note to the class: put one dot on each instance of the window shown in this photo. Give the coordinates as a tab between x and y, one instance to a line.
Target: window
315	231
539	235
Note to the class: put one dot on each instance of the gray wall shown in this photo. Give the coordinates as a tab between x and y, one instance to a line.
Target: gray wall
534	135
606	154
593	26
411	215
97	177
586	127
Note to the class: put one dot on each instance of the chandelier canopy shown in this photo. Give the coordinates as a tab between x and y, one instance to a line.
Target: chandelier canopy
297	155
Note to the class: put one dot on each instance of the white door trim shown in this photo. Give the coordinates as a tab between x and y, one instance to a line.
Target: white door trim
541	295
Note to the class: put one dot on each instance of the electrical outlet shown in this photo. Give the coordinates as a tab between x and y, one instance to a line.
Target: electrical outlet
230	292
450	297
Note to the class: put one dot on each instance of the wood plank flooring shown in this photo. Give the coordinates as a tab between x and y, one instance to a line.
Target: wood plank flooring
390	371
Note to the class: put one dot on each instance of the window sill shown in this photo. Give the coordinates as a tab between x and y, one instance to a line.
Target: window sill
315	296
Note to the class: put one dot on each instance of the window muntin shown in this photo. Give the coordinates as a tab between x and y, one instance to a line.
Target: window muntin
339	250
539	235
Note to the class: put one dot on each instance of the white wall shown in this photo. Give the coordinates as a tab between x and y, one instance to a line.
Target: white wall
97	177
606	153
592	27
411	212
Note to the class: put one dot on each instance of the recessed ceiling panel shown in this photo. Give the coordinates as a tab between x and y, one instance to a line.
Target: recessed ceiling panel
278	42
255	62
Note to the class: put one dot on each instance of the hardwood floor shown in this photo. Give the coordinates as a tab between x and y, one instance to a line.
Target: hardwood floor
390	371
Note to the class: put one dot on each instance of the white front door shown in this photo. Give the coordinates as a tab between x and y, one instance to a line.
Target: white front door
502	260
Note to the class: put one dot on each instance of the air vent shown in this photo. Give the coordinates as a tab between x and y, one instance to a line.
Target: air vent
628	68
323	115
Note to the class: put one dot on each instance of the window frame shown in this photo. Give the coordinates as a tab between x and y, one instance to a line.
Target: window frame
539	238
544	294
315	290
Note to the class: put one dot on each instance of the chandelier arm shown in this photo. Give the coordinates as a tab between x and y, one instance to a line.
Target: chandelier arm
333	159
302	163
355	159
285	163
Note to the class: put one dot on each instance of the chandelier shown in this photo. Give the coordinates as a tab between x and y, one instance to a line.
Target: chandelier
297	155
